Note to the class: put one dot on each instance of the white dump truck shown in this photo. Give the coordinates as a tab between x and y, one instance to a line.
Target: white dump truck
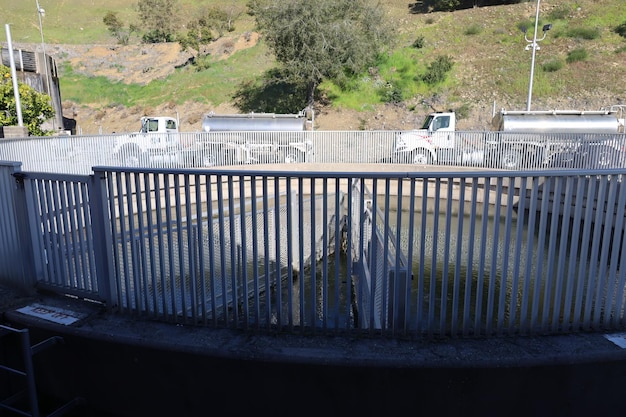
225	139
157	141
520	139
249	138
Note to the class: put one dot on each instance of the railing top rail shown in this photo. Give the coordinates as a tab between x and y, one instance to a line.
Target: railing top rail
361	171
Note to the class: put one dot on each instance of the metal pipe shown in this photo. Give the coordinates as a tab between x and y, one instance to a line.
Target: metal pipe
16	92
532	63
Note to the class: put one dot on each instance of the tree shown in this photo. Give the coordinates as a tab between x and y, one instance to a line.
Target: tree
211	25
158	19
36	107
116	28
326	39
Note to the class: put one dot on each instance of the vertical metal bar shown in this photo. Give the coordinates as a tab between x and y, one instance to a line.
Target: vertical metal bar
266	255
562	274
290	239
190	227
493	269
469	277
151	278
525	321
607	227
516	290
211	246
482	259
615	284
313	306
421	277
277	244
301	277
503	306
232	222
432	298
458	256
411	246
255	251
324	308
244	252
445	274
539	287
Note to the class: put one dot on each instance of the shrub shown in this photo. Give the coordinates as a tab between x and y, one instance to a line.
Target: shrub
438	70
583	33
579	54
559	13
418	43
473	29
552	65
391	94
445	5
621	30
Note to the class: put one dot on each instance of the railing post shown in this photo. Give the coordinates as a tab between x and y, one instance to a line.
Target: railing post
102	236
15	226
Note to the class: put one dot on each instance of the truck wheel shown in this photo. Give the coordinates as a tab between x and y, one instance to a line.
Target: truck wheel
421	157
130	156
293	157
511	159
208	160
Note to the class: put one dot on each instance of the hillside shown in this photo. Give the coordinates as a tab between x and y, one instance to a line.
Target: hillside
491	66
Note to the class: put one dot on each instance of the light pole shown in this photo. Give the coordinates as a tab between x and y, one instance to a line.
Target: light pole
533	45
41	13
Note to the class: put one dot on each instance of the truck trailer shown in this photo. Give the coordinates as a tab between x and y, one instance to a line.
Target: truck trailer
520	139
228	139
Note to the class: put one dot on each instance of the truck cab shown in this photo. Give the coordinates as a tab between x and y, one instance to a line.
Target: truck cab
432	143
156	142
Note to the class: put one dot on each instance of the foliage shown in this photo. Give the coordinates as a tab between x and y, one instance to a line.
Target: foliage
583	33
211	24
158	19
473	29
418	43
578	54
270	93
116	28
334	40
560	12
36	107
438	70
445	5
552	66
621	30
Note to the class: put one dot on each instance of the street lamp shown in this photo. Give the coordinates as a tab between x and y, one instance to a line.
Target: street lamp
533	45
41	13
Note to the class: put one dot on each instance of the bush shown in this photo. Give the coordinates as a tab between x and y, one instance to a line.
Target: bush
445	5
391	94
583	33
579	54
418	43
438	70
559	13
474	29
552	66
621	30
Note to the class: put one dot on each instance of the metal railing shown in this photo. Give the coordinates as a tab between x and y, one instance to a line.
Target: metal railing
78	154
487	252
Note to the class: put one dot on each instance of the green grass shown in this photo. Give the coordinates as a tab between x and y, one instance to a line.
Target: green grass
485	44
214	85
